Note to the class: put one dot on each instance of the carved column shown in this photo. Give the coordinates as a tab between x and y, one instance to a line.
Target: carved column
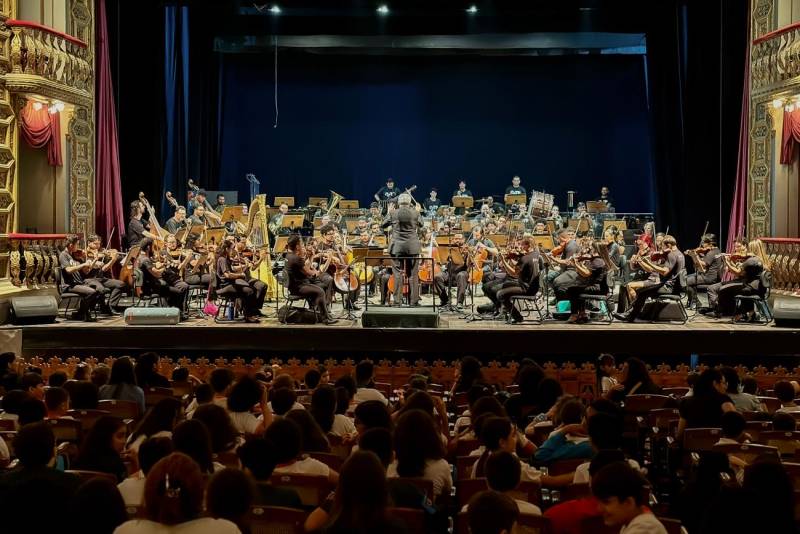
81	170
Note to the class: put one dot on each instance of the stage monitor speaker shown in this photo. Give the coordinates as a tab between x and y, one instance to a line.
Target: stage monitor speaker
663	311
152	316
34	310
376	317
787	312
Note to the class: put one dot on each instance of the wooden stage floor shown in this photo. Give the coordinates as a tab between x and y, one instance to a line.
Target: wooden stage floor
455	336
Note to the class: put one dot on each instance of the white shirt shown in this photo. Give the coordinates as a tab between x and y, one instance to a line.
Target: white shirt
141	438
525	508
244	422
581	475
305	466
607	383
644	524
369	394
295	406
132	489
789	409
437	471
203	525
528	473
342	425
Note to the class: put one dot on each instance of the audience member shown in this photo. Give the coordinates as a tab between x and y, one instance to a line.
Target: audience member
102	448
420	453
97	508
491	512
282	400
146	370
259	458
100	375
57	379
244	395
229	495
705	407
743	402
323	409
622	495
569	439
786	393
503	474
122	384
159	421
468	373
224	436
365	387
56	400
193	439
150	451
33	383
286	437
311	435
312	379
83	395
31	410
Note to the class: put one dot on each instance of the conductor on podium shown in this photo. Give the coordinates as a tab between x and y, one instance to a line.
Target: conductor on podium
405	223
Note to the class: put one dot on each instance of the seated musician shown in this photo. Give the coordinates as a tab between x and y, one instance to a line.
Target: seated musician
276	220
491	227
232	280
567	247
305	280
177	221
555	216
332	243
668	274
72	280
249	264
199	215
592	269
375	215
746	264
362	226
496	208
100	277
453	275
616	251
522	279
707	261
539	228
137	229
198	270
502	225
161	274
581	213
197	201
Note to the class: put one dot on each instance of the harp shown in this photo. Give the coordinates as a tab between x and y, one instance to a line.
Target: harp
256	232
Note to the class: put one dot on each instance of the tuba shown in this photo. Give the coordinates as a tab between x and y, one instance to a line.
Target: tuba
332	212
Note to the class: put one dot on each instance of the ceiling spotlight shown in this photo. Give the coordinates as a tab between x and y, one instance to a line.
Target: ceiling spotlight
37	106
275	9
789	107
383	9
59	106
777	103
472	9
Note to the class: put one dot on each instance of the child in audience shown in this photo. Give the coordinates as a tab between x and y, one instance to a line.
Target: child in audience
606	370
193	439
605	434
622	494
97	508
102	448
499	434
365	386
122	384
491	512
285	435
150	451
784	422
219	382
158	422
57	379
33	383
786	392
56	400
245	394
32	410
503	474
733	425
203	394
282	400
323	409
229	495
224	436
259	458
311	435
569	440
743	402
464	421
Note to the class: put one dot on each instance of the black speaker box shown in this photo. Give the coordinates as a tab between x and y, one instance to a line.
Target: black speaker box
34	310
787	312
663	311
376	317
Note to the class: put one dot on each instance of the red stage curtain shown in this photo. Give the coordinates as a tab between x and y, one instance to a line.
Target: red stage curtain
791	136
40	129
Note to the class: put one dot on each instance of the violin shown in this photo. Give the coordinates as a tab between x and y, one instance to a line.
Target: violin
738	258
658	256
559	250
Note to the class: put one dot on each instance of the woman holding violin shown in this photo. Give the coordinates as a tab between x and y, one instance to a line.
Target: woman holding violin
746	264
250	259
707	259
305	280
161	275
592	267
232	281
72	261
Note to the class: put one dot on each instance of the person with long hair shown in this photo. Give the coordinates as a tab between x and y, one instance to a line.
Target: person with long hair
311	435
468	373
708	402
102	448
605	369
97	508
224	436
173	499
122	384
233	282
636	380
193	439
286	436
323	409
420	452
146	370
157	422
747	263
229	495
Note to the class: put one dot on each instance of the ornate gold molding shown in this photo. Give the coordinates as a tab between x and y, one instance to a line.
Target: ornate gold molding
762	18
760	173
81	170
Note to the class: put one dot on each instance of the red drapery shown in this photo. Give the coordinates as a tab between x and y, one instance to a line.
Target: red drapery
108	189
39	129
791	136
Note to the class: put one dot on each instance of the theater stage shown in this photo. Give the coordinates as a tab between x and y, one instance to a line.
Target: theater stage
454	337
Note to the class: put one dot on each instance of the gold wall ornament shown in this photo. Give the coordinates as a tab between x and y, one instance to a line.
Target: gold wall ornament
81	171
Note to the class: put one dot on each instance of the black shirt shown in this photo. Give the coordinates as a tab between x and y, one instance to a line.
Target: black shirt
223	266
752	269
148	280
675	262
704	411
135	232
432	204
713	262
295	270
570	250
269	495
464	193
529	270
606	199
69	279
518	190
172	225
384	193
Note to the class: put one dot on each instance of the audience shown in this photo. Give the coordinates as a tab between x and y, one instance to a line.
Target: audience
57	379
287	439
259	458
83	395
786	393
323	409
193	439
100	375
244	395
311	435
150	451
743	402
33	383
146	371
569	439
97	508
56	400
491	512
122	384
31	410
102	448
159	421
224	436
468	374
705	407
420	453
229	495
365	387
636	380
622	495
503	474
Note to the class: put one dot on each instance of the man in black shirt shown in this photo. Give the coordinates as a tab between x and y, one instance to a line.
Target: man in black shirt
199	216
137	230
456	274
668	277
605	196
526	282
304	280
710	270
591	279
747	273
72	280
220	205
100	277
560	280
515	188
432	203
162	279
388	192
405	225
177	221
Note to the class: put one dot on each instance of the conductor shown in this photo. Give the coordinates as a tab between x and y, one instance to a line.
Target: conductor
405	222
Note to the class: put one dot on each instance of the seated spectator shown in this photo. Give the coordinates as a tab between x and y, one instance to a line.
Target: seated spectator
193	439
33	383
622	493
605	434
83	395
769	492
244	395
784	422
286	437
146	370
786	393
173	496
224	436
694	500
348	383
503	473
220	380
635	381
82	372
520	405
433	406
57	379
372	414
150	451
750	386
420	453
733	425
34	484
343	401
498	434
97	508
605	371
705	407
492	512
12	401
102	448
323	409
464	421
311	435
569	439
100	375
361	501
31	410
203	394
365	387
56	400
743	402
229	495
312	379
122	384
181	375
259	458
468	373
548	393
282	400
158	422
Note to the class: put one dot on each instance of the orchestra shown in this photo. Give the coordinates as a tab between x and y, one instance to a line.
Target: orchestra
476	247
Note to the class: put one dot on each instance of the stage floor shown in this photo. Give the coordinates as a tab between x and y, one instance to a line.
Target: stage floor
455	336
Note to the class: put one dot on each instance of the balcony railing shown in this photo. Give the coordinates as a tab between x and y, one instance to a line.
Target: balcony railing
59	58
785	256
776	57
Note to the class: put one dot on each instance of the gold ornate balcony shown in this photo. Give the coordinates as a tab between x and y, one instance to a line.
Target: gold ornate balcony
50	63
785	256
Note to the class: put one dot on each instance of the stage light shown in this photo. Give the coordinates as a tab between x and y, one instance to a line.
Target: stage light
777	103
37	106
472	9
383	9
59	106
789	107
275	10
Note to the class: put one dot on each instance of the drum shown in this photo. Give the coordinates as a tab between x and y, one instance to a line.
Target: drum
541	203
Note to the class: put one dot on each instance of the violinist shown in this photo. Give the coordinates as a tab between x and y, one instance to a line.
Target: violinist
160	275
249	261
362	226
232	280
567	247
177	221
668	274
592	267
707	260
616	251
331	244
746	264
100	277
305	280
453	274
137	230
72	280
523	280
198	271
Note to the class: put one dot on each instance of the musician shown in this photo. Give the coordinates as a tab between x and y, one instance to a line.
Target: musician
388	192
198	200
524	280
362	226
199	215
491	227
374	215
668	274
485	214
137	230
220	205
559	280
454	274
539	228
502	225
197	271
305	280
462	191
708	267
248	266
72	280
495	208
749	262
232	280
432	203
605	197
404	221
592	268
177	221
100	276
515	188
616	251
161	276
277	219
330	244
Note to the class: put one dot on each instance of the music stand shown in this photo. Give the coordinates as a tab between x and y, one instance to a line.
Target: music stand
289	201
467	226
215	235
581	225
292	221
316	201
348	204
515	200
499	240
280	244
351	225
462	202
544	242
621	224
197	229
181	235
516	226
551	226
232	214
596	206
379	240
441	210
